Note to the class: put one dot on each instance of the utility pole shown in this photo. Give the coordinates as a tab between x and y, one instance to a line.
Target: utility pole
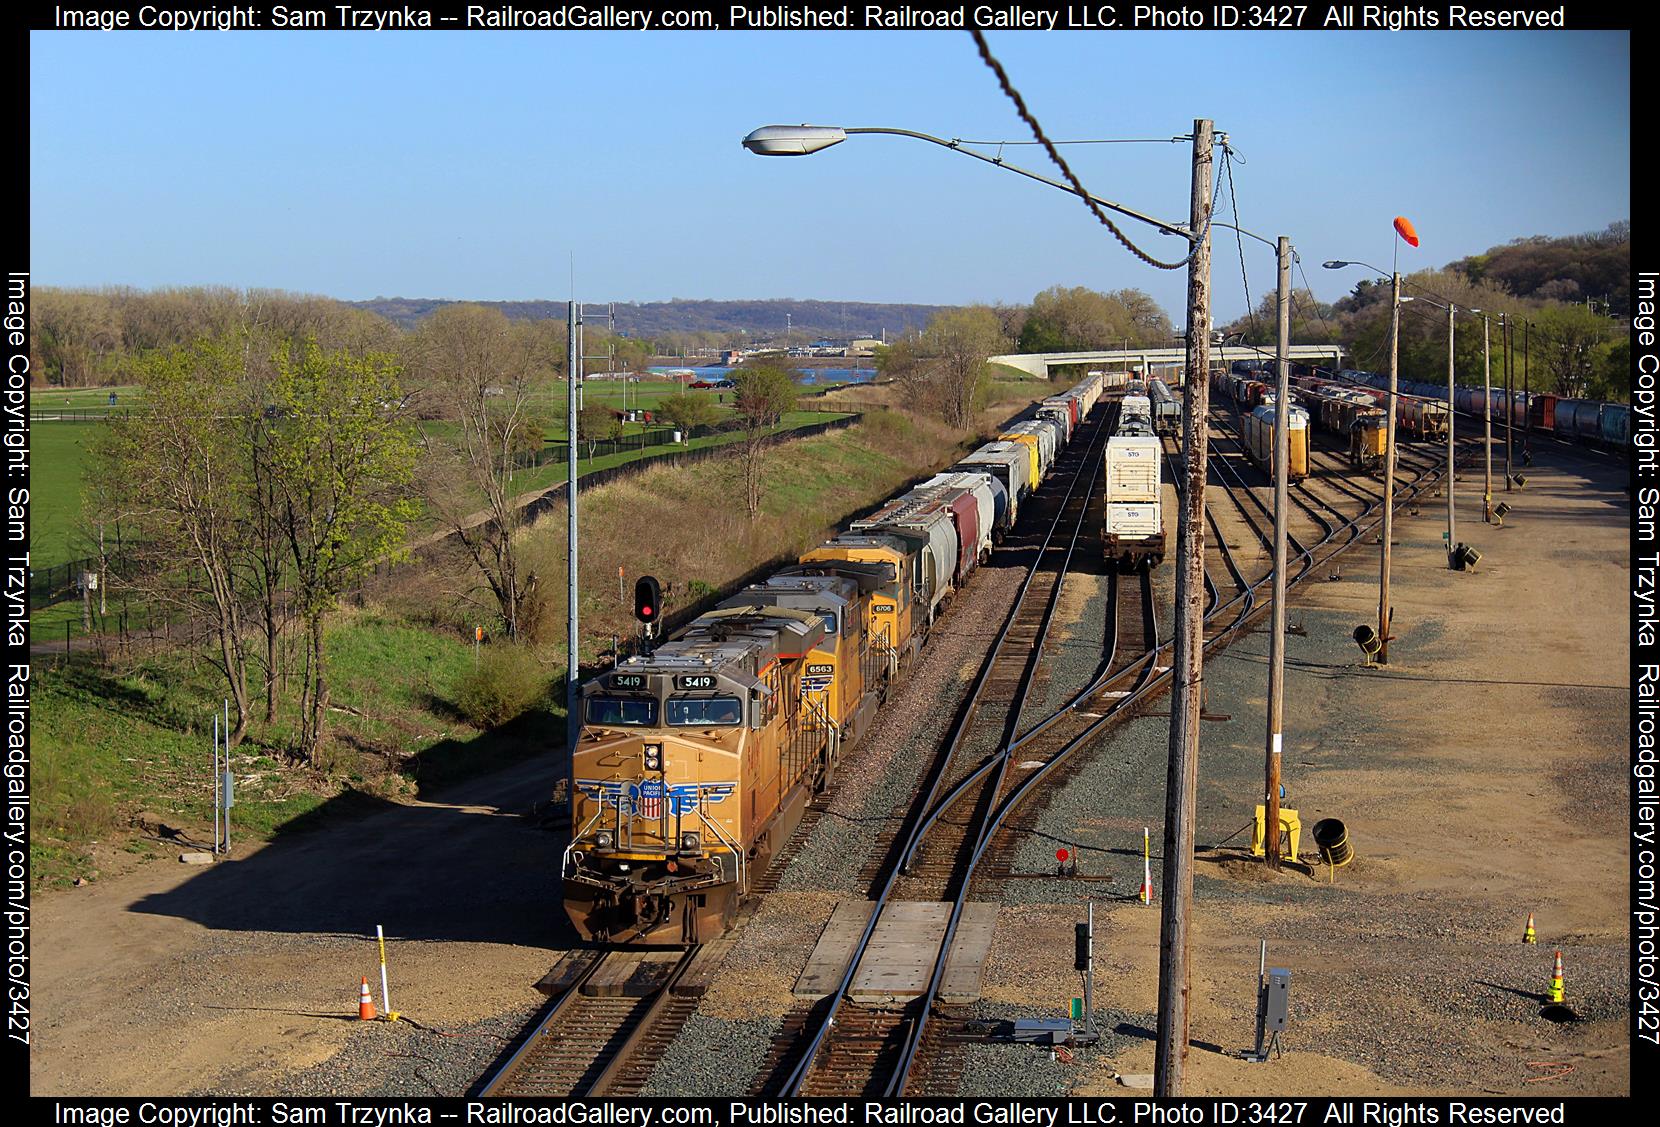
1487	416
1276	636
1452	312
1170	1061
573	370
1509	383
1389	465
1526	325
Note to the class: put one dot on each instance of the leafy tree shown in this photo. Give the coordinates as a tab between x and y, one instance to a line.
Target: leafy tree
344	461
1564	340
686	412
597	423
764	396
1063	319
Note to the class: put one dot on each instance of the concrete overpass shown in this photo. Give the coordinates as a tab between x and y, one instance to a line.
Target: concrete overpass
1039	363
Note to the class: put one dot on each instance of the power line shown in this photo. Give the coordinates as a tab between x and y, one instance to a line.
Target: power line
1197	239
1233	202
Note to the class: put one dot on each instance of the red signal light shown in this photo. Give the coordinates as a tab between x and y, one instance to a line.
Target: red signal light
1062	854
648	596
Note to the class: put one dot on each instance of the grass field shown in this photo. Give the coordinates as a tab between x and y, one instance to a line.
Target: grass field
57	457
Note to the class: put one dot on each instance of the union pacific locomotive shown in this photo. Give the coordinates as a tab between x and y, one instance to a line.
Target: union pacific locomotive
694	763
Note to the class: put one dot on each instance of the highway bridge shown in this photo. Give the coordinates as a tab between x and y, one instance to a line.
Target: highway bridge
1039	363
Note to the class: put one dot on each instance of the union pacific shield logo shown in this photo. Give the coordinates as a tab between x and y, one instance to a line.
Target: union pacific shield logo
647	797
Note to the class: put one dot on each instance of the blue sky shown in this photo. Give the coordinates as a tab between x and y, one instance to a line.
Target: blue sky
476	165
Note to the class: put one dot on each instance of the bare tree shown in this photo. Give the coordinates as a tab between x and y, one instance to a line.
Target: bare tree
174	470
957	344
485	375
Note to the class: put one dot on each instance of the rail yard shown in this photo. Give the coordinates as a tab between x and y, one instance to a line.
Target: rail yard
906	896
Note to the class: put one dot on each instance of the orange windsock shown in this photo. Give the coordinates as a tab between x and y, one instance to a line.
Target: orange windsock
1405	229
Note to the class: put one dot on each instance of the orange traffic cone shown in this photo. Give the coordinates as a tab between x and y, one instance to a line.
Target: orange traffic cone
1556	993
1528	936
366	1004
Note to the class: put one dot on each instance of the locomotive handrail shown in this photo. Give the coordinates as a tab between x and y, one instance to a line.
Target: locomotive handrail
565	862
730	843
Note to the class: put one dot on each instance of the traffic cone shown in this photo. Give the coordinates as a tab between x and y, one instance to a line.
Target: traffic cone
1527	935
366	1004
1556	993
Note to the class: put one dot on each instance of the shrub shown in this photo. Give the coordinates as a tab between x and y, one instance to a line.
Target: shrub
508	682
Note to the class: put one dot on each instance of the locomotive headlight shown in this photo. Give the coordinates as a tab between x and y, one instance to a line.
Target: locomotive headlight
690	841
654	757
602	840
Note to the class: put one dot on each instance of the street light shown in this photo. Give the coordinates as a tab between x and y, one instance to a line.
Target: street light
1455	557
1389	448
803	140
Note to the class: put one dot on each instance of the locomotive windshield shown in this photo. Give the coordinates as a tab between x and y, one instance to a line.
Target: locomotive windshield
623	711
705	712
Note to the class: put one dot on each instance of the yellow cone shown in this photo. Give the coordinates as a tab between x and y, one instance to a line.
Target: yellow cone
1528	936
1556	992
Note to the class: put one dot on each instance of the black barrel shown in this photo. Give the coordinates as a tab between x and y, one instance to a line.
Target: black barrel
1332	838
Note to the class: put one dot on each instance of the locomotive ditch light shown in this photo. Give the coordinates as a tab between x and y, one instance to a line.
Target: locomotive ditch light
1367	639
690	841
602	840
654	757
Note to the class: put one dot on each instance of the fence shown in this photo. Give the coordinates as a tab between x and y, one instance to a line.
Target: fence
45	413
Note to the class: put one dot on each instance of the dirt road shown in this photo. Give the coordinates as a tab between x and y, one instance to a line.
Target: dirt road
175	979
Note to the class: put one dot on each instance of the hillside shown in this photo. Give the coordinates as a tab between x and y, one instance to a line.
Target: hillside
807	320
1595	266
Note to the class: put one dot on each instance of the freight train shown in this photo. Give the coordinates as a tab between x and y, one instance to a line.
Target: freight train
695	762
1132	524
1589	421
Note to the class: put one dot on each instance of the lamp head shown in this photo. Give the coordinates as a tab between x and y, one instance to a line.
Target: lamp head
1336	264
792	140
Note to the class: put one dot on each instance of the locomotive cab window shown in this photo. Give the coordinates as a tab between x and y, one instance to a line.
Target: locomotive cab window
638	712
705	712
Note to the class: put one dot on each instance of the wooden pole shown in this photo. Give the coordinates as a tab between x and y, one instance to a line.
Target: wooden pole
1170	1061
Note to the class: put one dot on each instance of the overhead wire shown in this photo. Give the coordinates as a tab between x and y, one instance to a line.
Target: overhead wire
1197	239
1233	202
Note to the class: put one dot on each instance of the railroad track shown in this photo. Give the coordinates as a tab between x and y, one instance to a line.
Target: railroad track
1055	737
598	1044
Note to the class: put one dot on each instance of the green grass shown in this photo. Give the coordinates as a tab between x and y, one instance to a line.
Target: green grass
57	462
108	743
46	400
